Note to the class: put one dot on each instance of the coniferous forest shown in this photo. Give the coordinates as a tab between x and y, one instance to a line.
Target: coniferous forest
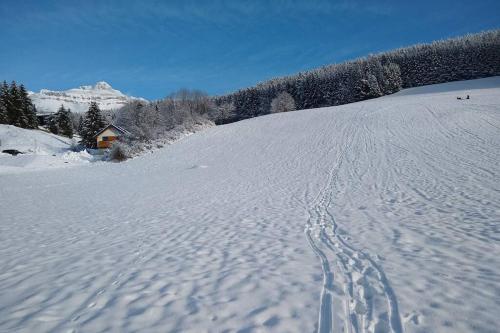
16	107
468	57
463	58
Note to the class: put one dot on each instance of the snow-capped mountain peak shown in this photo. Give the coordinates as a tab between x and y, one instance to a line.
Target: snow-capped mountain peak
78	99
102	85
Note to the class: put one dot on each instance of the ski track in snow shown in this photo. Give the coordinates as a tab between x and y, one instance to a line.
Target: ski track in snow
352	281
373	217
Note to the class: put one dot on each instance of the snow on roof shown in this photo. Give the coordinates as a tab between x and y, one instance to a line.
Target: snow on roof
118	128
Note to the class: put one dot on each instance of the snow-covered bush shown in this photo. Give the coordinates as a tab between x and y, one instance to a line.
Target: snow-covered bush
118	152
151	121
152	125
223	113
282	103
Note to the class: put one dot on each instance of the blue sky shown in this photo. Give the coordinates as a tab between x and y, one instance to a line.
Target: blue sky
152	48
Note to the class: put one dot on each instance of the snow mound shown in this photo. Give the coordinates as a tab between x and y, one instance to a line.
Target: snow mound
32	141
40	150
77	156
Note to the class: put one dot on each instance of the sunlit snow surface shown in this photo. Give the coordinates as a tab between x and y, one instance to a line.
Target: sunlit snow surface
40	150
380	216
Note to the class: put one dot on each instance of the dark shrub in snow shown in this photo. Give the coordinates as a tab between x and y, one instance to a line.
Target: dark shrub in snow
118	152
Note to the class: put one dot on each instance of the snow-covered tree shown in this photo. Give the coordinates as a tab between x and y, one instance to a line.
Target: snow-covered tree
15	110
3	104
16	107
3	112
180	111
79	126
76	119
224	112
28	111
392	75
93	122
32	115
61	123
282	103
370	87
52	124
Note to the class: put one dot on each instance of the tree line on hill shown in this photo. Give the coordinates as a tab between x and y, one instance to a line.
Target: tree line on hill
16	107
468	57
463	58
181	112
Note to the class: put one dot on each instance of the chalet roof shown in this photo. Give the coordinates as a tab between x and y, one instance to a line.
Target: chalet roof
118	128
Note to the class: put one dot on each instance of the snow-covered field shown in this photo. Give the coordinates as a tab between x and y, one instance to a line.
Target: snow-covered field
379	216
41	150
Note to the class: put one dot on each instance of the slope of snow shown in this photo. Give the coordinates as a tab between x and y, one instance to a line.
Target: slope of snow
462	87
379	216
41	150
78	99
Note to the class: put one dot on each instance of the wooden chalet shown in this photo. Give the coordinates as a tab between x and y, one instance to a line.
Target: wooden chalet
108	134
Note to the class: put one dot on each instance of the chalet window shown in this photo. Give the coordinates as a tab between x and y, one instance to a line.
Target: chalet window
105	138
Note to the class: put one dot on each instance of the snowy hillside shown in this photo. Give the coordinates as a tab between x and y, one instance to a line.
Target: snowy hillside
378	216
40	150
78	99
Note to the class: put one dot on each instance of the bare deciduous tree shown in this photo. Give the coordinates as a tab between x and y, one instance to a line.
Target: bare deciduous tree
284	102
150	121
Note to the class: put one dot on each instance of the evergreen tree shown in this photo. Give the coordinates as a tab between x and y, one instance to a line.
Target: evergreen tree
52	124
393	82
223	113
79	127
3	112
61	123
33	118
5	102
370	87
28	111
93	122
3	105
16	107
64	122
15	110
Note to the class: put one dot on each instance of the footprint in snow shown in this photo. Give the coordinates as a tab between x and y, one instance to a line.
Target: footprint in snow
198	167
413	318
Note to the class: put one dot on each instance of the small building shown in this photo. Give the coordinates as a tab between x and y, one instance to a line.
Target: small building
44	118
108	134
